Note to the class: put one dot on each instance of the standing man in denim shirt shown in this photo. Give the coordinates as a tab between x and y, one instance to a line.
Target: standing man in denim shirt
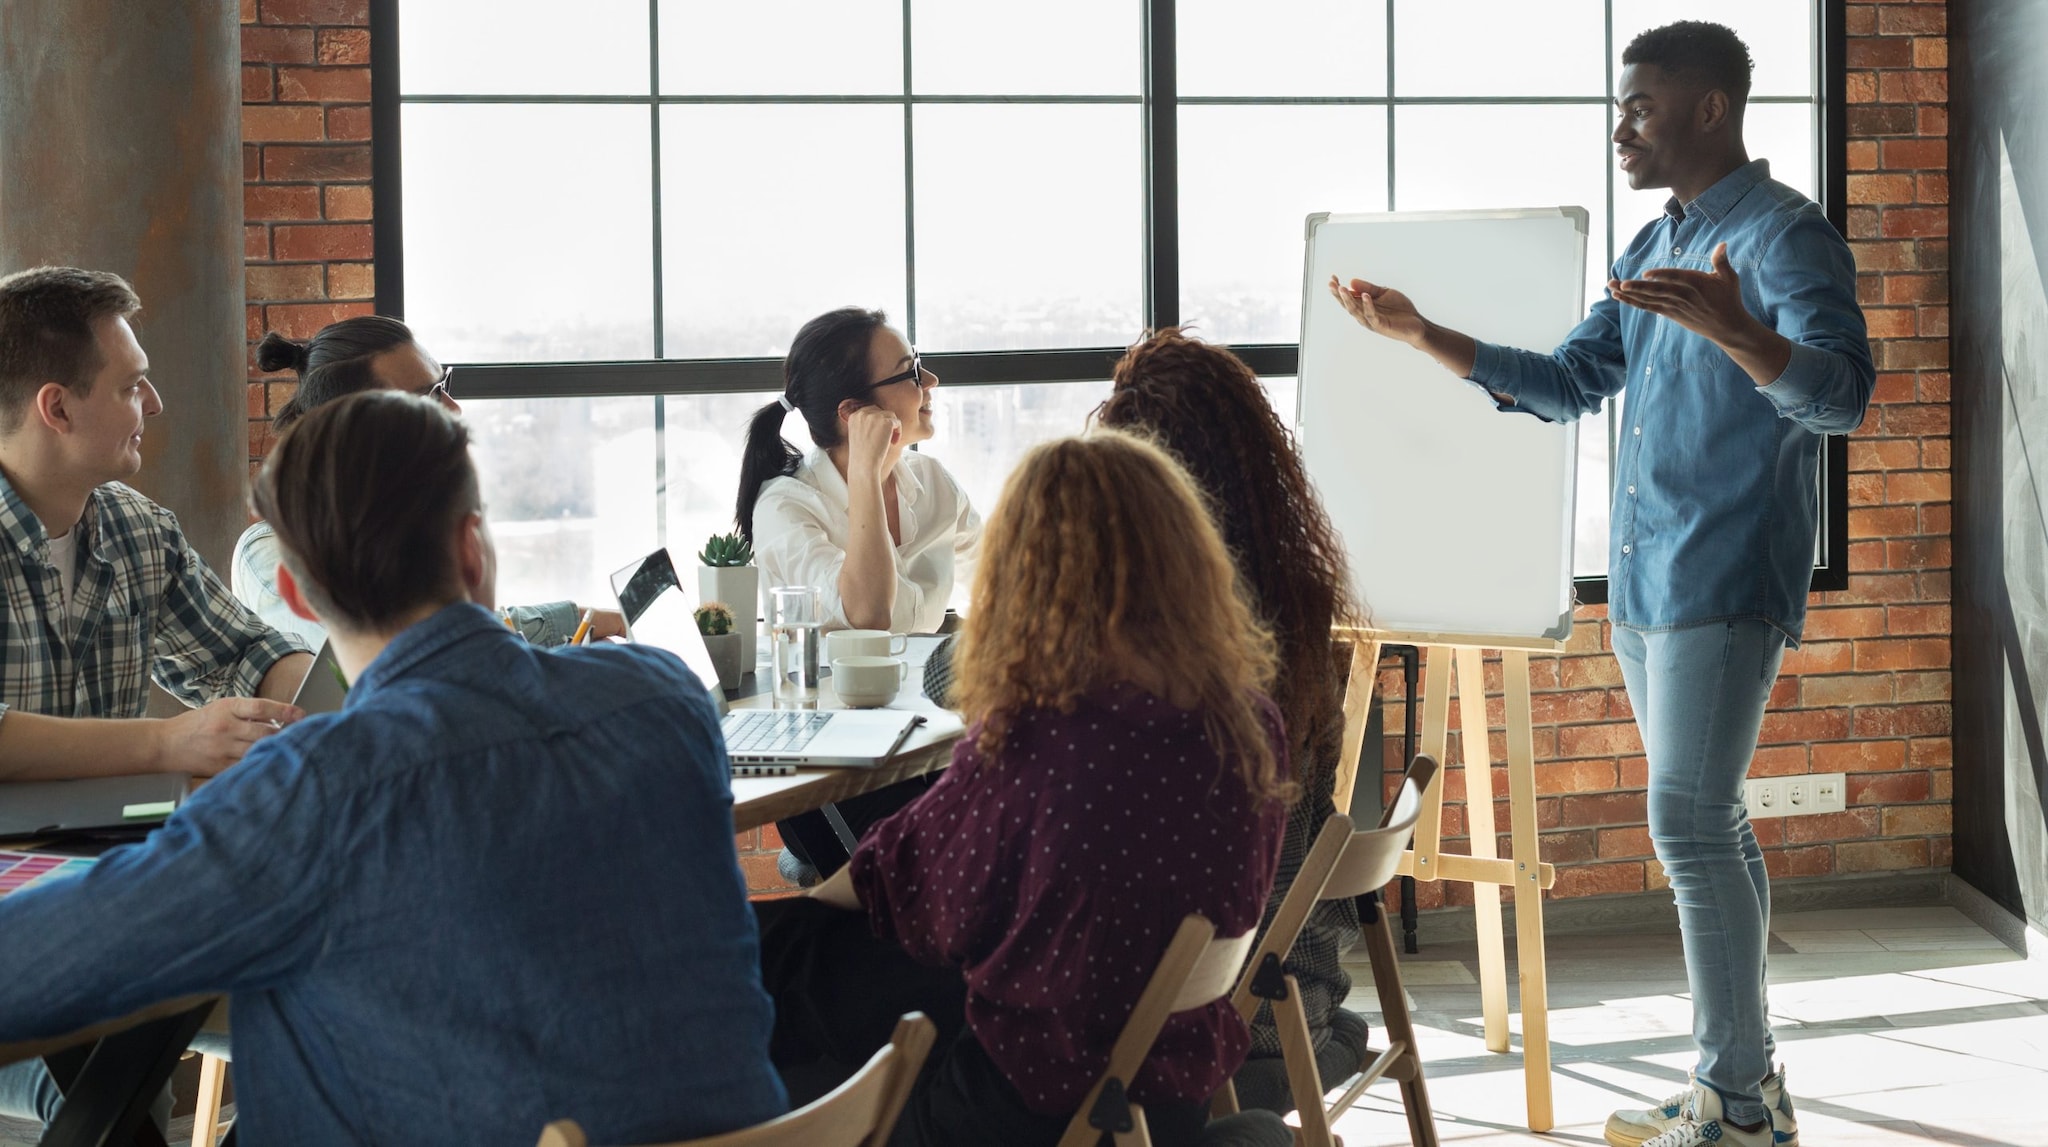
1732	321
497	889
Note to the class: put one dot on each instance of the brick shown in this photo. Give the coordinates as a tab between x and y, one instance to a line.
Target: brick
1916	288
1907	620
1851	690
1861	621
346	201
1931	187
1883	454
1853	824
304	320
279	393
1870	120
248	11
351	281
1610	740
1930	52
352	86
1593	810
1778	761
1875	52
1866	555
1859	20
1618	706
1912	486
1912	653
1915	223
1874	589
1894	154
1566	777
1883	254
1911	20
761	874
1804	725
1912	87
273	202
1932	121
1598	880
1938	685
1932	255
1784	694
1882	522
1919	553
344	46
1585	672
1880	855
1887	788
1904	720
1869	285
348	122
262	123
1942	786
255	400
1880	189
1914	354
1862	156
316	12
1931	753
1859	757
255	242
322	242
1559	848
289	282
1813	860
1769	832
1941	851
1817	656
1935	585
285	163
1937	518
1568	707
1891	323
1861	88
1635	772
277	45
257	84
1624	843
1934	324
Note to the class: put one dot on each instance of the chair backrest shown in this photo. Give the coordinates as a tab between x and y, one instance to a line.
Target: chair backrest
1371	856
858	1113
1197	969
1338	861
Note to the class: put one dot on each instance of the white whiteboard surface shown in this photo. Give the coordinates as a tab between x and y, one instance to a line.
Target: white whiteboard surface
1456	517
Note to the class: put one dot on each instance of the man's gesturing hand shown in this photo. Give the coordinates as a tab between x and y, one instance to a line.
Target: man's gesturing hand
210	738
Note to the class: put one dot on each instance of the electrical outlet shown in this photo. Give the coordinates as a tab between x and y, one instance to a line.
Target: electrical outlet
1798	796
1765	797
1793	796
1829	792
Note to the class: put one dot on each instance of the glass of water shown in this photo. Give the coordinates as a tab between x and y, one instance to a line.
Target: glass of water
793	634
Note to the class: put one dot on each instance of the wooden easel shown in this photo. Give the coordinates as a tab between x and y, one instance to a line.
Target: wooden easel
1484	869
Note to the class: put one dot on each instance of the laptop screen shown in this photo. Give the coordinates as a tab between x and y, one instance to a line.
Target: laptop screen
658	613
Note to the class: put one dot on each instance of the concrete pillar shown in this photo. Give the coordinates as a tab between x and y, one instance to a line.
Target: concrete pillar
120	150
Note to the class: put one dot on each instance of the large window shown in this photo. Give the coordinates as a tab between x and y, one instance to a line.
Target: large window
615	214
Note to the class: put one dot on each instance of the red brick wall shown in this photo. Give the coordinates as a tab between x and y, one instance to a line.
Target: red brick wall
1868	692
1868	695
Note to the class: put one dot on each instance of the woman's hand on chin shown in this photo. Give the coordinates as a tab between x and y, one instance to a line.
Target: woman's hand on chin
872	433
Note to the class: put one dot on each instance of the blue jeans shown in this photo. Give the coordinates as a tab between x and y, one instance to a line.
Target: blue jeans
1699	694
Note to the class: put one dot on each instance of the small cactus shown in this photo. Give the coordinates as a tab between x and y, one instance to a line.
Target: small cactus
727	550
714	619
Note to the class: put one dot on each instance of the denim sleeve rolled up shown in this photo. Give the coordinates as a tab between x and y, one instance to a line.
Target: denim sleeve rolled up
1715	493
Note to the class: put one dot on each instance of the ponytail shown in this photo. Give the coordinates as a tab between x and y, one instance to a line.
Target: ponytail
826	365
333	363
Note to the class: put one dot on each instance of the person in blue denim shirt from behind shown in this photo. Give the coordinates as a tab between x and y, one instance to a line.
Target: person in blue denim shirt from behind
1732	323
496	889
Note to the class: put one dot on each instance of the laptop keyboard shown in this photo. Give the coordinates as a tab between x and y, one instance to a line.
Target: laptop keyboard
772	731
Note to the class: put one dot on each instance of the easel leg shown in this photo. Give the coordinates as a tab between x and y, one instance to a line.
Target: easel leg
1529	954
1493	960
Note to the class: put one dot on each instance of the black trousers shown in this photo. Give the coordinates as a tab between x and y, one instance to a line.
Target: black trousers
838	993
813	839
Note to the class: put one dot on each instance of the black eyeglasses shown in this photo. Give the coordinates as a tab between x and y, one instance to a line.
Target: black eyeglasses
914	374
439	390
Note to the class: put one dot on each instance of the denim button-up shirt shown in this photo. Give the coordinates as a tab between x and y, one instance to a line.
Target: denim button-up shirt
1715	485
498	888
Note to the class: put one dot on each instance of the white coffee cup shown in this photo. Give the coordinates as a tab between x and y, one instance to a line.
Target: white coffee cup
865	643
868	682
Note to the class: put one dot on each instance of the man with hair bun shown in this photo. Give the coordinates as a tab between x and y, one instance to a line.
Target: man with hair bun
1732	321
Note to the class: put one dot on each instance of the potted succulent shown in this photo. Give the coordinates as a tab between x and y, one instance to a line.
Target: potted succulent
729	575
714	622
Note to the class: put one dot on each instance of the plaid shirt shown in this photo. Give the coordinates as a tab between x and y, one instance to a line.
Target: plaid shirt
146	606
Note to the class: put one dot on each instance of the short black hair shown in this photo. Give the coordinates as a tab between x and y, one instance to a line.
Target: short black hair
1699	52
334	362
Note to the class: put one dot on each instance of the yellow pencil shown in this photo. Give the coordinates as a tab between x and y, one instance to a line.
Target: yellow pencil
583	627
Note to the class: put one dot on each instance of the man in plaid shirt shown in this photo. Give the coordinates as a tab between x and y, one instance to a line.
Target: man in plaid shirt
102	591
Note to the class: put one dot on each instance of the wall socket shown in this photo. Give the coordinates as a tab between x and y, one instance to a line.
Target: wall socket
1794	795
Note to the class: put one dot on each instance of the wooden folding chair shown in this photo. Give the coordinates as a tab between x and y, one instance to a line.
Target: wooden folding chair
858	1113
1341	865
1197	969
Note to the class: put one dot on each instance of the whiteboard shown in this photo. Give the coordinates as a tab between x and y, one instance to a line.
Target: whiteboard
1456	517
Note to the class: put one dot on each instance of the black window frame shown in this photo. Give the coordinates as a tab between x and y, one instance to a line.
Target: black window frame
1159	102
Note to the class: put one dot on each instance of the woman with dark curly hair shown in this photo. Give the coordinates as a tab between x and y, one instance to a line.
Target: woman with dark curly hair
1203	404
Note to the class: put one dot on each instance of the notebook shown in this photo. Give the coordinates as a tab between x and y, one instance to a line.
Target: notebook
759	742
97	804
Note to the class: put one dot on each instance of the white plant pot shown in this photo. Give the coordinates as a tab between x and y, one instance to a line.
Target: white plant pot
740	588
725	657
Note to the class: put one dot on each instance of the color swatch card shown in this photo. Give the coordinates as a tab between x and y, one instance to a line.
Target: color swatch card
19	870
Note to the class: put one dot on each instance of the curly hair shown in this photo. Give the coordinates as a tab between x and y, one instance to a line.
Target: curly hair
1206	407
1100	565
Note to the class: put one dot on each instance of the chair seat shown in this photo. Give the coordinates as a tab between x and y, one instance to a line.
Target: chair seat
1262	1083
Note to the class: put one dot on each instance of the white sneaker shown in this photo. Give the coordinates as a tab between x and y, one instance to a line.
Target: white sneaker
1633	1128
1700	1125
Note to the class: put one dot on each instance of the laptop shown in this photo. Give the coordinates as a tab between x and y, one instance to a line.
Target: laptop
325	688
32	809
760	742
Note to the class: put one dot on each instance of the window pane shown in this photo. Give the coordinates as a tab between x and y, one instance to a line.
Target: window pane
1781	133
1049	47
523	47
704	434
1282	48
781	47
1241	222
1499	48
1779	34
984	430
1454	158
750	247
568	486
512	260
1030	226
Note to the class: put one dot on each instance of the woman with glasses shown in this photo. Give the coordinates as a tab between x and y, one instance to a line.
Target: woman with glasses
369	352
883	534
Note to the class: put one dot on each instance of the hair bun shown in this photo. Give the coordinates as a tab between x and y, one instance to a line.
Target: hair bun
277	352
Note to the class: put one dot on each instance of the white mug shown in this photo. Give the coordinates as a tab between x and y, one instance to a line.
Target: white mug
865	643
866	681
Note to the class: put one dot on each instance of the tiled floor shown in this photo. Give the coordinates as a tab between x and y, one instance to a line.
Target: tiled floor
1898	1026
